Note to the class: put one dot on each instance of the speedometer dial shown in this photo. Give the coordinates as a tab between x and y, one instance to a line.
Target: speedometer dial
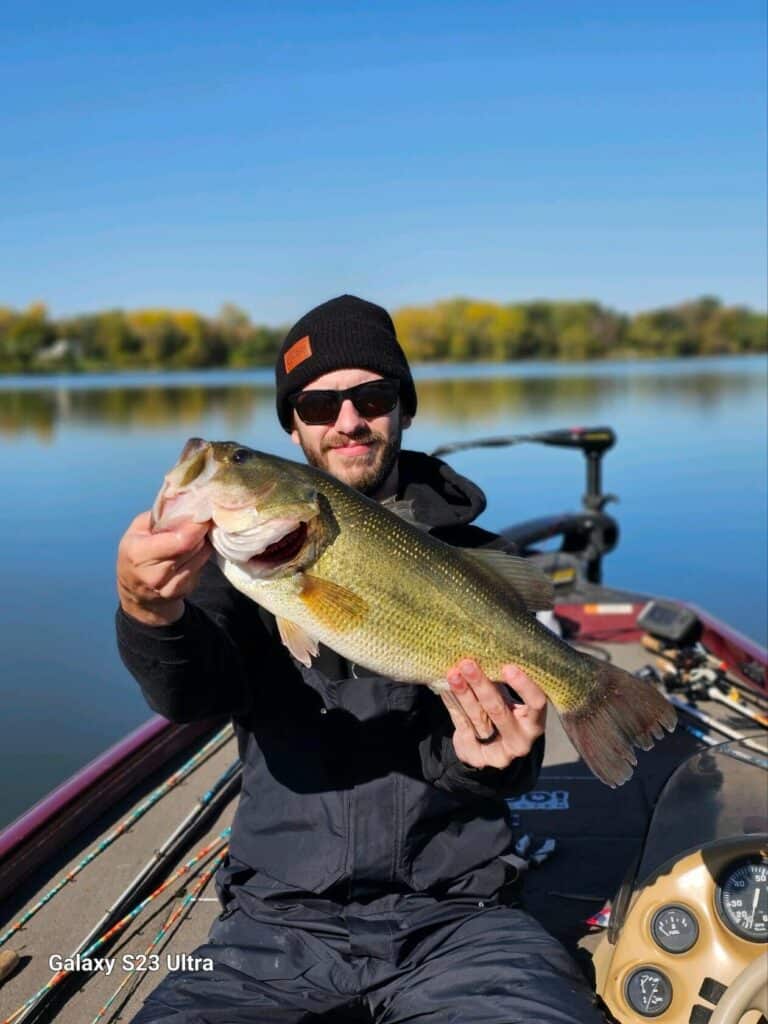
742	898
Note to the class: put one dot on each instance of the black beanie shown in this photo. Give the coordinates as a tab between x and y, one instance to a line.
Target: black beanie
341	334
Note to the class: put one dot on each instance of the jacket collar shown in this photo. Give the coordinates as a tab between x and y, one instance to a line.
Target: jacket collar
439	495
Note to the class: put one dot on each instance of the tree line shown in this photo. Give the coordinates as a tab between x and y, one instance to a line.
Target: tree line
448	331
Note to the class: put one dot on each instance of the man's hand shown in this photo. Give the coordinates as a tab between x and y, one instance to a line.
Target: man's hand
156	571
487	708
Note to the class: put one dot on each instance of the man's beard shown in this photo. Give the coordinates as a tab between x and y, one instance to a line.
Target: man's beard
372	477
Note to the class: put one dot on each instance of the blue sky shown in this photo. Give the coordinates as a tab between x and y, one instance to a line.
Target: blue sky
276	154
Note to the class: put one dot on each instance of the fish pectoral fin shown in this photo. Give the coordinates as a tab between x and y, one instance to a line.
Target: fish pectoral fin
529	583
301	645
334	605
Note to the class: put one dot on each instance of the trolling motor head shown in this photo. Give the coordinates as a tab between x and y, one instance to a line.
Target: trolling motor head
594	442
589	439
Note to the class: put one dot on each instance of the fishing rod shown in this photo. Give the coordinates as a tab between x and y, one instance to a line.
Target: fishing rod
206	806
651	675
694	657
708	720
707	683
694	671
670	681
717	741
736	705
132	981
173	780
33	1003
705	737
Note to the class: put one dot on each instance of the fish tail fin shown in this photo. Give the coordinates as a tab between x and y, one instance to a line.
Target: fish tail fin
621	712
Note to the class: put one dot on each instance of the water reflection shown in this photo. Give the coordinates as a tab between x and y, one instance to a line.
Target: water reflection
147	408
475	400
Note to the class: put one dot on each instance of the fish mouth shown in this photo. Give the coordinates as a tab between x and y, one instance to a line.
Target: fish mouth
183	495
272	547
190	492
265	522
283	550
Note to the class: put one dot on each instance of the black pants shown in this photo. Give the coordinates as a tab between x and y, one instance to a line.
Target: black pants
400	959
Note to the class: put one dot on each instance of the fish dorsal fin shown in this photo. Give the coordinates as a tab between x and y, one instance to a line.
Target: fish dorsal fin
301	645
332	604
529	583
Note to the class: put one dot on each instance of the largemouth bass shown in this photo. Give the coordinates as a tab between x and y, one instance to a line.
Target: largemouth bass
335	567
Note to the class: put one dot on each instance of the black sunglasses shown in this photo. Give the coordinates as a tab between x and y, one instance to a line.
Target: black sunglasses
371	399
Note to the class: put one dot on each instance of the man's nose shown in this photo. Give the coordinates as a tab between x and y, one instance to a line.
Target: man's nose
349	419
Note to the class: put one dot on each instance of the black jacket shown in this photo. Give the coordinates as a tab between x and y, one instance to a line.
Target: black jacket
351	785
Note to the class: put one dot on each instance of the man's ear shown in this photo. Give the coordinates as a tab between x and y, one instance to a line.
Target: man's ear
294	429
407	421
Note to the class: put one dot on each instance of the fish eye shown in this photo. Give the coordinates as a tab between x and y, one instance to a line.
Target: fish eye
241	455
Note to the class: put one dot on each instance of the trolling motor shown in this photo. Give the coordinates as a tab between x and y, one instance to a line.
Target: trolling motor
588	535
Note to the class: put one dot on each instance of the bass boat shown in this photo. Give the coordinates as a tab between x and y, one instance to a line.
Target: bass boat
659	889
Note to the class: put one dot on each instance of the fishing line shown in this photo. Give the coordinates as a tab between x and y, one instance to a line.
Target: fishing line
23	1012
217	741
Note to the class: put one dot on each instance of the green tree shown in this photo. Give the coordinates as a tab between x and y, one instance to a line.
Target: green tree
27	335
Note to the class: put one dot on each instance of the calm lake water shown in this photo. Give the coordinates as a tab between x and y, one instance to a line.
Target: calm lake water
81	456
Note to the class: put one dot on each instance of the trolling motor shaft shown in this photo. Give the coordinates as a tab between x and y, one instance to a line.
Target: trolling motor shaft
594	442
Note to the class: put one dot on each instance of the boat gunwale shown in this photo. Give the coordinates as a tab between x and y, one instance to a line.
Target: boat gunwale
76	803
721	639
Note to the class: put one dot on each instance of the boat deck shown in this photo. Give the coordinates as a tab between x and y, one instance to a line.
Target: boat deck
597	830
60	927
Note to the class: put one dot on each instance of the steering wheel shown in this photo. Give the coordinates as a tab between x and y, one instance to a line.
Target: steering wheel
747	992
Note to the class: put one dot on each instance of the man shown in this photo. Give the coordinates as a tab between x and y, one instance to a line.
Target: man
366	878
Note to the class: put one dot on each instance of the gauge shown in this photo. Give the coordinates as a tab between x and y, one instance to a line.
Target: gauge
674	928
648	991
742	898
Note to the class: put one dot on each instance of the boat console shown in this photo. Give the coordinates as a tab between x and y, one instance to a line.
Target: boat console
692	916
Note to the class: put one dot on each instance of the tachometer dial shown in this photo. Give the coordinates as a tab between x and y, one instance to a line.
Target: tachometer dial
674	928
742	898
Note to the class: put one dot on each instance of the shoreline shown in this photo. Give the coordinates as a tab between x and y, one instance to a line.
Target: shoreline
425	370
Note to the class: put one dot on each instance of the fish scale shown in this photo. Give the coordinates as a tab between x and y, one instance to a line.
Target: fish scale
388	596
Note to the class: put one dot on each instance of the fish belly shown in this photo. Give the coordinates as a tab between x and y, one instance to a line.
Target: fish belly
416	627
